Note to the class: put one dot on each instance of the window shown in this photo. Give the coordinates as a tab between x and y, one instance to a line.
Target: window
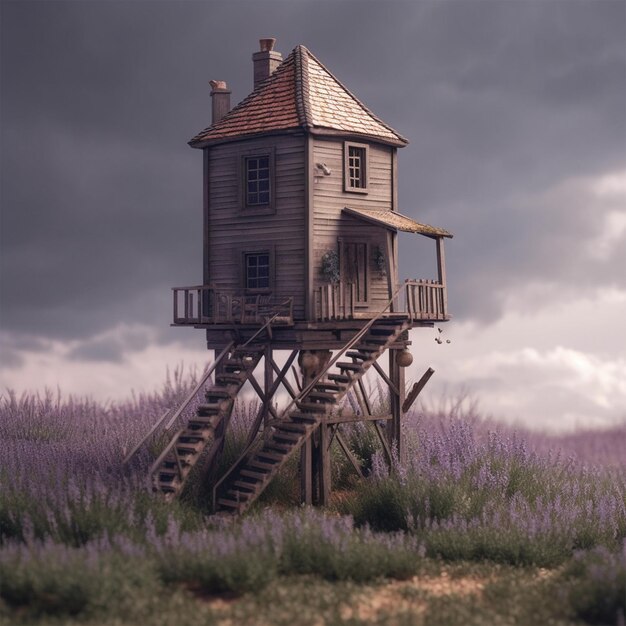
257	178
257	270
355	167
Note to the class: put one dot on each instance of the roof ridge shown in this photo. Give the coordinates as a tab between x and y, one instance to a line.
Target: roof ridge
302	86
356	100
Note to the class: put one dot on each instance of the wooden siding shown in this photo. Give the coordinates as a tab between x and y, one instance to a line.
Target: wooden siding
330	225
232	231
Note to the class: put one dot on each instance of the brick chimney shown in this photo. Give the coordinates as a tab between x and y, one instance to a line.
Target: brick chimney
220	100
265	61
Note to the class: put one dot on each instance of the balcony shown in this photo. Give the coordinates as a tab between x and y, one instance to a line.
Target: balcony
203	305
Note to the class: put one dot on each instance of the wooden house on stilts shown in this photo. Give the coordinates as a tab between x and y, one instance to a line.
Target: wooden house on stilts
300	254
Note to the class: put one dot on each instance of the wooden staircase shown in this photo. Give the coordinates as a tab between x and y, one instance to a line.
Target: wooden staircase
171	470
256	469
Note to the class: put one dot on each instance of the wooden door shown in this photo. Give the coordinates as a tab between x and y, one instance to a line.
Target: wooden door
354	268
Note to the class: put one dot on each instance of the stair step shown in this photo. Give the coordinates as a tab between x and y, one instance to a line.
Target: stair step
258	464
209	410
357	354
228	503
265	453
321	396
354	367
164	488
282	448
216	392
260	477
289	437
341	378
291	427
313	407
378	341
193	436
236	495
227	378
199	425
242	484
167	476
307	418
328	386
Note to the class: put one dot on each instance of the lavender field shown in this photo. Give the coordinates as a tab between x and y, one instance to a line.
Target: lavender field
480	525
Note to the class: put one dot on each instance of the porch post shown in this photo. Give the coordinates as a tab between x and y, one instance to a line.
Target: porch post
441	271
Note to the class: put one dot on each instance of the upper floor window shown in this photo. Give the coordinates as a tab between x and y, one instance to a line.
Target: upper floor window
257	179
355	167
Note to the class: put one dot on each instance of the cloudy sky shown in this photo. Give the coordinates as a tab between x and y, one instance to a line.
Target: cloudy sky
516	112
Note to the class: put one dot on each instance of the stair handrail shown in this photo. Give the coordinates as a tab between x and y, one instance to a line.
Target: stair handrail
258	332
199	386
310	386
180	409
341	352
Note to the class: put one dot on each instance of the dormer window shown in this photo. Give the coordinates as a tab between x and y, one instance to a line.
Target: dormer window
355	167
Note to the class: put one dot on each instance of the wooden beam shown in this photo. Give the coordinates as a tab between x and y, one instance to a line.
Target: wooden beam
261	395
296	378
383	441
282	373
366	400
384	376
346	450
351	417
417	388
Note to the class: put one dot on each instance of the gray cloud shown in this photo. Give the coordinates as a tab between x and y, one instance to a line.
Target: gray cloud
101	197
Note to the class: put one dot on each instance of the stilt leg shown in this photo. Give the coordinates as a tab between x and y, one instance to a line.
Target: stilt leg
394	430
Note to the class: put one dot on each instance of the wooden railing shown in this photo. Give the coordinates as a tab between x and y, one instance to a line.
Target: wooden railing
423	300
206	304
335	301
426	300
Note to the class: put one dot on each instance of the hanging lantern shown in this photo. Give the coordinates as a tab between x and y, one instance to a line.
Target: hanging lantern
404	358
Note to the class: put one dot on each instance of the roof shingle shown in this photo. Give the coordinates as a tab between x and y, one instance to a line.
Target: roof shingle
301	93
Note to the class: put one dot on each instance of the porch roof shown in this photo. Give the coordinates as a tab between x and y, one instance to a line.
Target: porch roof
396	221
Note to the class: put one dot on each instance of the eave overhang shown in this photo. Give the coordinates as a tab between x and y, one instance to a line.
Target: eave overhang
393	220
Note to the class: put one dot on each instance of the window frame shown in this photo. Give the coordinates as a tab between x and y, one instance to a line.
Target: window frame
245	254
365	166
268	208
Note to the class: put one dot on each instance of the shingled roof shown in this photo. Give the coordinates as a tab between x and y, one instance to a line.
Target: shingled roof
300	94
396	221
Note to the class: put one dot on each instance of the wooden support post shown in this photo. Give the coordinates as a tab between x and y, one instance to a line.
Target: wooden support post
306	472
315	456
323	466
396	399
268	383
